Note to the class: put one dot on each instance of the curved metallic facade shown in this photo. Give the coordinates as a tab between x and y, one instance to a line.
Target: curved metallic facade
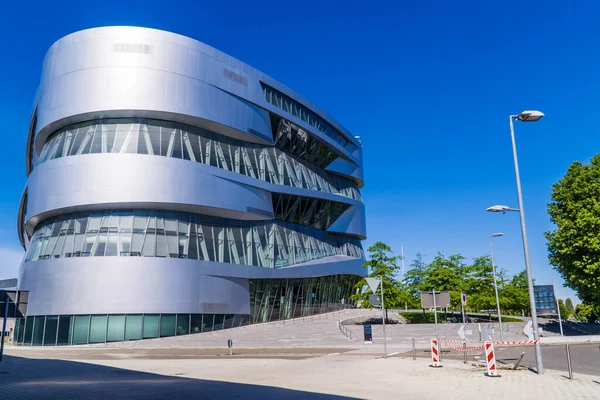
167	177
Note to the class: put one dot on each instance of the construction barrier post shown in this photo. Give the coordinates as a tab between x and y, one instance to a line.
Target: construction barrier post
435	354
490	359
465	355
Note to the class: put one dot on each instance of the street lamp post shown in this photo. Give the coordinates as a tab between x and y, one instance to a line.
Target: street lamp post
493	235
525	116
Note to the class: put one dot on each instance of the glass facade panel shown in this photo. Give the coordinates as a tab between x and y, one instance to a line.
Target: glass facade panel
81	329
167	325
183	324
218	322
271	299
298	159
65	329
116	328
196	323
28	330
228	323
303	113
133	327
276	299
151	325
208	322
50	332
271	244
98	329
38	331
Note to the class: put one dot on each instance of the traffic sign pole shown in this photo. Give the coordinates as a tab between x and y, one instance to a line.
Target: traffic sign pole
437	333
383	320
463	301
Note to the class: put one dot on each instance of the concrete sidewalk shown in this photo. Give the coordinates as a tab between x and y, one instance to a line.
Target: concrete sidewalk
327	377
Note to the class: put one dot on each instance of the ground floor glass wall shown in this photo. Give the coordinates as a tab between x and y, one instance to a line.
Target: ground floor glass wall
276	299
270	300
65	330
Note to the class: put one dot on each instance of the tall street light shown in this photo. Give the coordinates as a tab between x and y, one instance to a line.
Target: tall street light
493	235
525	116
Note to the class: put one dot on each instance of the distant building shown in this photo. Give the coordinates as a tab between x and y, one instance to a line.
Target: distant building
173	189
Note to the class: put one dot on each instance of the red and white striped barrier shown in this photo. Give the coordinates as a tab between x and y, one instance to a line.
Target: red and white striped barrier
435	354
490	359
464	348
519	342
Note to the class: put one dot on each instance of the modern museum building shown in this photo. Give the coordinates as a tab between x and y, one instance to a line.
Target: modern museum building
173	189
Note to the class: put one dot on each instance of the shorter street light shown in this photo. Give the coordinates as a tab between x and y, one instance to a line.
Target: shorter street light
493	235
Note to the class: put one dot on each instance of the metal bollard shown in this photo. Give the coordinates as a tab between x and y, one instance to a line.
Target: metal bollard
465	355
569	362
414	349
440	346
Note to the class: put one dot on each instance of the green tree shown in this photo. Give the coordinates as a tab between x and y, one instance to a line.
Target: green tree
574	246
478	284
564	312
414	278
584	313
382	264
515	295
569	305
446	274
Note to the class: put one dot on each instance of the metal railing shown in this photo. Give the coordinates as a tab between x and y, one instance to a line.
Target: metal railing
345	331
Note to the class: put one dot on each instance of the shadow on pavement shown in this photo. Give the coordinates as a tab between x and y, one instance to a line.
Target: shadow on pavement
59	379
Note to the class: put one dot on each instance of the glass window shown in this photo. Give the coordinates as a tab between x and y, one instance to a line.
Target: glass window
304	169
151	325
17	331
208	322
228	323
38	331
219	318
98	329
65	328
133	327
196	323
50	331
28	330
133	233
81	329
183	324
116	328
167	325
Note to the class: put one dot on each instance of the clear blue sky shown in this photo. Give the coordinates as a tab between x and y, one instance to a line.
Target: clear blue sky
428	85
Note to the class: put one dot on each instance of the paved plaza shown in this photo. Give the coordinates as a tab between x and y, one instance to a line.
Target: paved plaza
302	359
336	376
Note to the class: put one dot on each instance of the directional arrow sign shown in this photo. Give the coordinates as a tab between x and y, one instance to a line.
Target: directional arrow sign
528	330
461	332
373	283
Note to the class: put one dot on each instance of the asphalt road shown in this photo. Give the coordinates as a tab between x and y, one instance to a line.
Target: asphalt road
585	358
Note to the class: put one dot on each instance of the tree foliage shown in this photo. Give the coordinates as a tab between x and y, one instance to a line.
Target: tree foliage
564	312
584	313
453	274
475	279
574	246
382	264
569	305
